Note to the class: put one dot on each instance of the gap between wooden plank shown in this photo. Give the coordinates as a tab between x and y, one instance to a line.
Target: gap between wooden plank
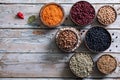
60	1
8	13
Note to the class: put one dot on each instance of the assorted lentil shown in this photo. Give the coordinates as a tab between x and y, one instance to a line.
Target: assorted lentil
81	64
82	13
106	15
52	14
97	39
67	39
106	64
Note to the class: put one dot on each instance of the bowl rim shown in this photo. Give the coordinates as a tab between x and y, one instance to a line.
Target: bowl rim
110	56
47	4
76	33
86	41
78	23
85	54
101	21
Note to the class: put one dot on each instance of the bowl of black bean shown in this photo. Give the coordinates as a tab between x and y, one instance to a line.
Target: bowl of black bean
97	39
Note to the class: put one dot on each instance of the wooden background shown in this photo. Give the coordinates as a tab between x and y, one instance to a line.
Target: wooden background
29	50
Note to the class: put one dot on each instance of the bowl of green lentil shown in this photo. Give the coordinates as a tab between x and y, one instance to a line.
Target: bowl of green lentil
81	64
52	15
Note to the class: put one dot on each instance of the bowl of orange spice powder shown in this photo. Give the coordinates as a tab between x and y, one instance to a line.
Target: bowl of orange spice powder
52	15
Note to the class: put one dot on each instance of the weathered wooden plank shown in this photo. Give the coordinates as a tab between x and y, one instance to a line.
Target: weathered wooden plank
59	1
34	65
28	40
37	79
9	20
56	79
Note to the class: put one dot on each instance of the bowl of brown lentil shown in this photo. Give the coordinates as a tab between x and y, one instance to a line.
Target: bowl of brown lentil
81	64
68	39
52	15
106	15
106	64
82	13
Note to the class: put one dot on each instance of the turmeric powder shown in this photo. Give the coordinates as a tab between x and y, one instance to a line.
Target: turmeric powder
52	15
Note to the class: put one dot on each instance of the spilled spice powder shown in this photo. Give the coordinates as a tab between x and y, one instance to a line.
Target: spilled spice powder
106	64
52	14
38	32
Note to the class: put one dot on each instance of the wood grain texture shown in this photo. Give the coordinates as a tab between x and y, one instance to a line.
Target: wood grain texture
29	50
59	1
28	40
9	20
55	79
45	65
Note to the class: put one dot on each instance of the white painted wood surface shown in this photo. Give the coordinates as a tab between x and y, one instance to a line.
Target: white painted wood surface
59	1
35	40
29	50
9	20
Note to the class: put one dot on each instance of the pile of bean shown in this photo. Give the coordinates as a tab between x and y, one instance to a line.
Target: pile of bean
81	64
82	13
67	40
106	15
106	64
97	39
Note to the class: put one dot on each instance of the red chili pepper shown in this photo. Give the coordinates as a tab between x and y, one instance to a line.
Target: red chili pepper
20	15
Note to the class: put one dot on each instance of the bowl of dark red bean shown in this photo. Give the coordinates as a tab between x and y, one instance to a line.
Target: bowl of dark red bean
68	39
97	39
82	13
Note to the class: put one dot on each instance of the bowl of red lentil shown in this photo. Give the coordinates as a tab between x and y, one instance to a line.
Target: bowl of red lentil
68	39
52	15
106	64
106	15
82	13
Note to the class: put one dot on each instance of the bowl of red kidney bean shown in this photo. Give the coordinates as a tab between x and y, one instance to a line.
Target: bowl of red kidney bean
82	13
